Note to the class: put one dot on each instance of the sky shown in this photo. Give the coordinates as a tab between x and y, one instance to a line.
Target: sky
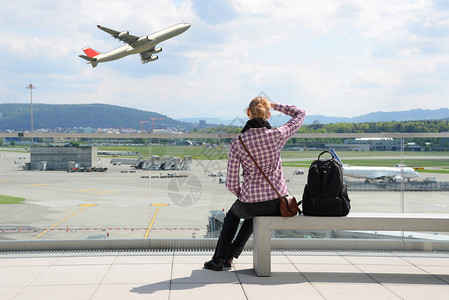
330	57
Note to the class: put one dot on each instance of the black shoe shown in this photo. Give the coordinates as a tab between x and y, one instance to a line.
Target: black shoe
228	262
214	264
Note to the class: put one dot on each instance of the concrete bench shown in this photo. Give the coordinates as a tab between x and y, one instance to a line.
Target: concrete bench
366	222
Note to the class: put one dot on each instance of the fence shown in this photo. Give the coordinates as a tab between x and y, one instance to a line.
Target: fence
416	186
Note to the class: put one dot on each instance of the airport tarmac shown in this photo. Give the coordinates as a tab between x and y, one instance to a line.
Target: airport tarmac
115	204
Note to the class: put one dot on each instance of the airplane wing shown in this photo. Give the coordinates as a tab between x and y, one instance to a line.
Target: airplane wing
146	55
124	36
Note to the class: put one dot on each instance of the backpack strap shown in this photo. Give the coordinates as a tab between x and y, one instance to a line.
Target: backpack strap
325	151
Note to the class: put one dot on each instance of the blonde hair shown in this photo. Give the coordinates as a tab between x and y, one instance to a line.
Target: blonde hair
259	108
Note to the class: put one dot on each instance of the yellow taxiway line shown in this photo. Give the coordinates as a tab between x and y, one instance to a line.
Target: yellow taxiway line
83	206
159	205
151	224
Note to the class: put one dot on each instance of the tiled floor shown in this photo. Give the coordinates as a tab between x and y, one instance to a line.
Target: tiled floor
179	275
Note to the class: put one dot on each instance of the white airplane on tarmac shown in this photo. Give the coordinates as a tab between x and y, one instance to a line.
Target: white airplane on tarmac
145	45
395	174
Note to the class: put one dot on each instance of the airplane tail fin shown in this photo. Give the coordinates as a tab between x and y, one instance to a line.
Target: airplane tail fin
334	154
91	52
87	57
90	60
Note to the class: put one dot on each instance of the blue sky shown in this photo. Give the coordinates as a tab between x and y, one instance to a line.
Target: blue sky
331	57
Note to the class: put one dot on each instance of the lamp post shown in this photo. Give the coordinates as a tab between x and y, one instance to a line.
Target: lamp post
31	87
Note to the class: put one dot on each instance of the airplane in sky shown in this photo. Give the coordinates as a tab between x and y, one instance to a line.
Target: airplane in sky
396	174
144	45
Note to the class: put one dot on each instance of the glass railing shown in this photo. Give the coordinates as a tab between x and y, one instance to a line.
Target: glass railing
141	186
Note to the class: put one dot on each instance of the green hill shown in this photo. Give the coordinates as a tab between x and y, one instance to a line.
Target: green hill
49	116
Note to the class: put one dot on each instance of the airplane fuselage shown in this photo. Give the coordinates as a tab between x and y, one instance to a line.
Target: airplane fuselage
379	172
369	173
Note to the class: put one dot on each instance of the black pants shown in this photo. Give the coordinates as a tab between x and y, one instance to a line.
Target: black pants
226	246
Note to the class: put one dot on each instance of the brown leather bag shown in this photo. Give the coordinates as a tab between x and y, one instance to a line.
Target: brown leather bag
288	205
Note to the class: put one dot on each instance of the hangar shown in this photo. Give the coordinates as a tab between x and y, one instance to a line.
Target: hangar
62	158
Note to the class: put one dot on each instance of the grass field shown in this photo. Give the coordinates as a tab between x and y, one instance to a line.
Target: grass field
361	154
15	149
10	200
357	158
433	163
203	152
439	171
414	163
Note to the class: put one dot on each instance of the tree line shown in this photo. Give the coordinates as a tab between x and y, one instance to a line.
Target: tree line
430	126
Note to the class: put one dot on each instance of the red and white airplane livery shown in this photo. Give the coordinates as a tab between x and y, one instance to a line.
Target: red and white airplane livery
144	45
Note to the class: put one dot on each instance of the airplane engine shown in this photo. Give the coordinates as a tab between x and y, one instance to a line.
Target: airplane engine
157	50
143	38
123	33
152	58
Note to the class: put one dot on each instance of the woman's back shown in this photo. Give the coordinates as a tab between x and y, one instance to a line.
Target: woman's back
265	145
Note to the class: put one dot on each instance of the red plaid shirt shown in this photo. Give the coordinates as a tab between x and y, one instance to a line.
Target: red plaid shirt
265	145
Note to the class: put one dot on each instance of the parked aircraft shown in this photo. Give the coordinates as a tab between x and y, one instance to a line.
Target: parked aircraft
396	174
145	45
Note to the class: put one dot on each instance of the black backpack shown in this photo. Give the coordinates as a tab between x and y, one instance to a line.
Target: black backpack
325	193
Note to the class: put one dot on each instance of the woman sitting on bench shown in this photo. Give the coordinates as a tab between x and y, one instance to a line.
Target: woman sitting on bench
255	196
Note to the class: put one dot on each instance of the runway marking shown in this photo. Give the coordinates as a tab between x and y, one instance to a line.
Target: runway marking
151	224
106	192
65	219
42	233
96	191
154	217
